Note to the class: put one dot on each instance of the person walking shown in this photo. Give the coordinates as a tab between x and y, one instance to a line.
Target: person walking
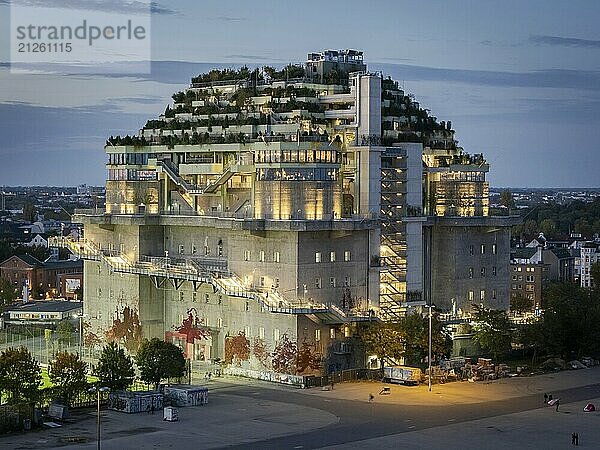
371	397
557	403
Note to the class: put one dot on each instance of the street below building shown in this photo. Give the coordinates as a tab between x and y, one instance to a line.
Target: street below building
252	414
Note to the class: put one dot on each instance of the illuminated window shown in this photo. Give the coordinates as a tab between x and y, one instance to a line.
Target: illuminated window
471	296
494	293
332	282
347	256
219	322
261	256
247	255
276	257
347	281
318	257
261	332
482	295
317	335
194	249
332	256
470	272
318	283
276	334
494	271
483	272
494	249
483	249
332	333
247	331
220	248
181	251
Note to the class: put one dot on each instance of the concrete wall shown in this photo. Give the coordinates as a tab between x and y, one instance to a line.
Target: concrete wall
451	260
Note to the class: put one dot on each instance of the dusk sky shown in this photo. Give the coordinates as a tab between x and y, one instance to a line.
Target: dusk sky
520	80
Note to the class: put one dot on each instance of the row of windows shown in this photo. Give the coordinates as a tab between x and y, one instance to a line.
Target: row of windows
528	287
483	249
482	272
332	282
131	175
297	156
275	257
481	295
333	256
205	249
296	174
528	278
128	158
527	269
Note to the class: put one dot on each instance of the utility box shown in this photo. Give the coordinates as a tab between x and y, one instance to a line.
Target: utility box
170	414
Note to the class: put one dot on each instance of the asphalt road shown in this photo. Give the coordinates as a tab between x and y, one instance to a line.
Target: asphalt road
363	420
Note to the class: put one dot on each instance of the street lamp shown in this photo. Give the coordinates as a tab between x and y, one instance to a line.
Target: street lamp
98	390
430	307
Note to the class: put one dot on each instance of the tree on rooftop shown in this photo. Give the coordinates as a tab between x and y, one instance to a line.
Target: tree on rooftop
20	375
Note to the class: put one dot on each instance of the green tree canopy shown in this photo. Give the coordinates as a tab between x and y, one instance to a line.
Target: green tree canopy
414	329
383	339
115	368
68	374
492	330
65	330
158	360
20	375
8	293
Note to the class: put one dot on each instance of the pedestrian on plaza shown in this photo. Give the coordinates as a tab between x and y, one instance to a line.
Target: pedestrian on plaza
557	403
332	385
371	397
545	397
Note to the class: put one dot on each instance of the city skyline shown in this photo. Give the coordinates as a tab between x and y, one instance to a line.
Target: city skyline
521	87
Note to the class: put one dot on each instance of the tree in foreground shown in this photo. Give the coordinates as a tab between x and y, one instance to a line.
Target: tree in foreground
115	368
20	375
159	360
414	329
492	330
383	339
68	374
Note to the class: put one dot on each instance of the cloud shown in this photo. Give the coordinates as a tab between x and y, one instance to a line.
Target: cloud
227	19
564	41
250	58
116	6
547	78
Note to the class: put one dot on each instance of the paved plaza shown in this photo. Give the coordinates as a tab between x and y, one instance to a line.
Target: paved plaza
252	414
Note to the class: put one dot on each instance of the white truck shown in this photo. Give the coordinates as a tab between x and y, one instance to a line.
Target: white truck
402	375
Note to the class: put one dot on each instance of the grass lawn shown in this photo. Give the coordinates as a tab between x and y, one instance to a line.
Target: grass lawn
47	383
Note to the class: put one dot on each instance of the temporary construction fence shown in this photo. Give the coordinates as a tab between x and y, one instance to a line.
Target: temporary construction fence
307	381
185	395
343	376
